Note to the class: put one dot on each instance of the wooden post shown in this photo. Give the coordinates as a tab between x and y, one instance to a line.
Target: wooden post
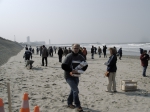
9	98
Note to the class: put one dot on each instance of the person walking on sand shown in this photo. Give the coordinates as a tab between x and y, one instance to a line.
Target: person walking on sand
99	51
120	53
104	51
44	55
51	51
54	48
26	47
65	51
41	50
27	55
69	64
37	50
84	51
111	68
69	50
60	54
95	49
92	52
144	61
30	49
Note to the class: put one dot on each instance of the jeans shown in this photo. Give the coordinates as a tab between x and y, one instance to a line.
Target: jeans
99	54
73	96
92	55
144	71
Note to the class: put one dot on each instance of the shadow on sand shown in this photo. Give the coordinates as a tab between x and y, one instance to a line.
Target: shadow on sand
138	92
89	110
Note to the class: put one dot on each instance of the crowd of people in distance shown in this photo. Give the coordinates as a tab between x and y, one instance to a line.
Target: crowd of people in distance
63	51
100	51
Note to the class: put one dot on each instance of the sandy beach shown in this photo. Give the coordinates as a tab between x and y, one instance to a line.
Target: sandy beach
48	89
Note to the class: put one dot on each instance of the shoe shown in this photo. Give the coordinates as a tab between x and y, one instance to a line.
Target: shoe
108	91
79	109
71	106
42	65
115	91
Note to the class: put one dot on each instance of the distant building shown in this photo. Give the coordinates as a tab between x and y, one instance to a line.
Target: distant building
28	40
38	43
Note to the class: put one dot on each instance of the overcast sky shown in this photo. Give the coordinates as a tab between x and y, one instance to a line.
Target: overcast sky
81	21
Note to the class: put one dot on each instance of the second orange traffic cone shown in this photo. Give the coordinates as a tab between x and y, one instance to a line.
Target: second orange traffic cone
25	104
1	106
36	109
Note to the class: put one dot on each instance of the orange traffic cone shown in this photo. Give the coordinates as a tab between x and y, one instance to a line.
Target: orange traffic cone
36	109
1	106
25	104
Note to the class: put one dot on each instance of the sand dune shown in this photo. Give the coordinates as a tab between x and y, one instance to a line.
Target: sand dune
8	49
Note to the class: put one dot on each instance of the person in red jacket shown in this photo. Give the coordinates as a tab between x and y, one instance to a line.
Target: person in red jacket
84	51
144	61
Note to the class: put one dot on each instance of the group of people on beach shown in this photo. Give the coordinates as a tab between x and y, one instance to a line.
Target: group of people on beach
93	51
75	64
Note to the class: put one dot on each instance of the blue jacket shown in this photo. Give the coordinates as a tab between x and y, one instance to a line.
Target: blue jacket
111	64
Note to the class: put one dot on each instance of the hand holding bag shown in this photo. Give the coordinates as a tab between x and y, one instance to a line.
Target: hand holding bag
106	74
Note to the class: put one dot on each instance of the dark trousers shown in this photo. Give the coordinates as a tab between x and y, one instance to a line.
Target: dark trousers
144	71
51	54
73	96
40	53
44	58
105	55
27	58
60	58
120	56
84	56
99	54
92	55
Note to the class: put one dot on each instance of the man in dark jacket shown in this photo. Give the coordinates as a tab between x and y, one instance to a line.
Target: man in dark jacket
41	50
144	61
27	54
104	51
44	55
120	53
92	52
60	54
69	65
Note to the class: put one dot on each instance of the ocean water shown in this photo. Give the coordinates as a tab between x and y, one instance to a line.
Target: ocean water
127	48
